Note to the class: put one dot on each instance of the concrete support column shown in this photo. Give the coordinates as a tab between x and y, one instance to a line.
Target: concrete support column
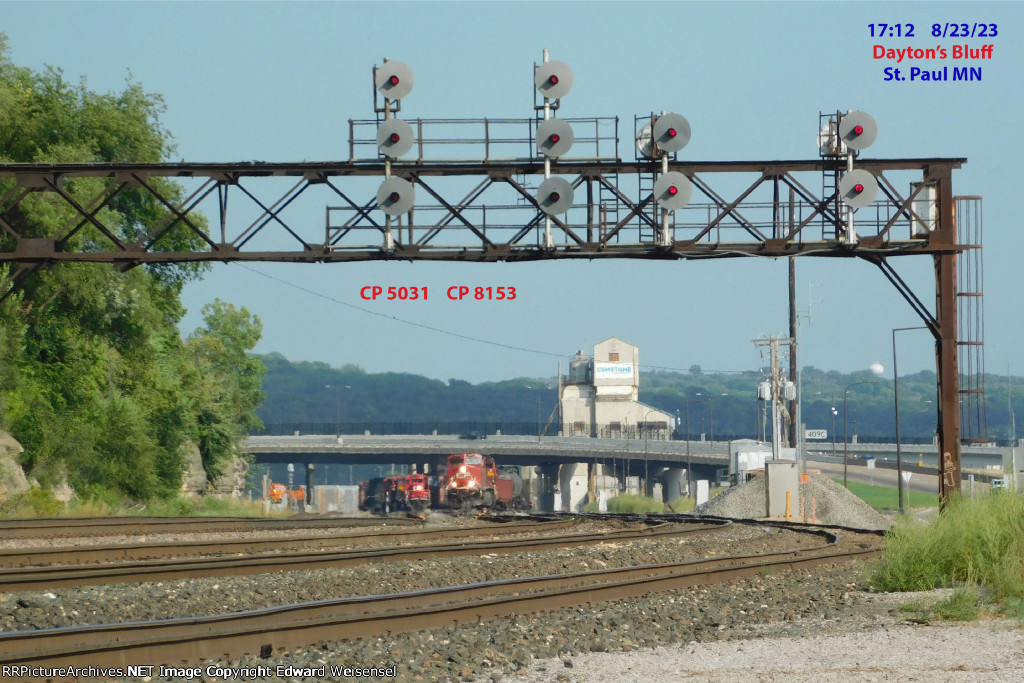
572	484
546	484
673	483
310	471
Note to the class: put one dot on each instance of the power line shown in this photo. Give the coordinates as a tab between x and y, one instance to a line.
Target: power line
444	331
401	320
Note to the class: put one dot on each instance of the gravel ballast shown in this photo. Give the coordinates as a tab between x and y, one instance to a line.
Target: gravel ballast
804	625
215	595
820	624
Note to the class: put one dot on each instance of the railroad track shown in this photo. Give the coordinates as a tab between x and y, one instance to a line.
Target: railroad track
120	552
105	526
67	576
187	640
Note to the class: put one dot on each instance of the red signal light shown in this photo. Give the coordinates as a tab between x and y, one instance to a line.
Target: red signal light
672	189
554	196
858	188
555	137
395	137
393	80
553	80
858	130
671	132
395	197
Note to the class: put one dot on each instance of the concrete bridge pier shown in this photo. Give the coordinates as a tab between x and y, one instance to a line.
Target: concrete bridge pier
654	486
573	484
673	483
546	483
310	477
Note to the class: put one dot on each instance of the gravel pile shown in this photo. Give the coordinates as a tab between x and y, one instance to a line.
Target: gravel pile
829	503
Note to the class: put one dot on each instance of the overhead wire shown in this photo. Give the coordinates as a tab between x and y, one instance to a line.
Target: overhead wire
439	330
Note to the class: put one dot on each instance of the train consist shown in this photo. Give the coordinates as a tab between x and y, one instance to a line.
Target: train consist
474	481
470	482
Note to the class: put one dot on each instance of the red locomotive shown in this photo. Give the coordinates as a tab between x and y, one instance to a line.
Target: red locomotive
417	492
473	481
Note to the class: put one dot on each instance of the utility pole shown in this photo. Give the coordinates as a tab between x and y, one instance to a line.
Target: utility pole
776	395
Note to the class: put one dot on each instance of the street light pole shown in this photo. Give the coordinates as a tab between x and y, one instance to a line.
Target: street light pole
337	402
834	413
689	462
845	423
647	437
712	400
896	400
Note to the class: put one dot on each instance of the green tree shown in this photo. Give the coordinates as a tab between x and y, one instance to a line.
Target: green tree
228	381
95	379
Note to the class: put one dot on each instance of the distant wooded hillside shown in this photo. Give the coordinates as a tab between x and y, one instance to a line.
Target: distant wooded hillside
315	397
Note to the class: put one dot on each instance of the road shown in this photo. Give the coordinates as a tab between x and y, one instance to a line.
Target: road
926	483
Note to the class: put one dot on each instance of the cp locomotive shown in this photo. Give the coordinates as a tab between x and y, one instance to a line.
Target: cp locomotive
474	481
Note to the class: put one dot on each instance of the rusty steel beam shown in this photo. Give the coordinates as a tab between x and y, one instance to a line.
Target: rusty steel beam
232	171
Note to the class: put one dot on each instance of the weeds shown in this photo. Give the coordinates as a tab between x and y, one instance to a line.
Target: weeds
36	502
964	604
977	545
39	502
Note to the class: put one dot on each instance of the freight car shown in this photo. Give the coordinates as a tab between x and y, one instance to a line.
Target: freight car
382	495
474	481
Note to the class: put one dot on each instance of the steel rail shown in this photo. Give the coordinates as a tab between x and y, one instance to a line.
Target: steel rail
260	631
102	526
60	576
113	552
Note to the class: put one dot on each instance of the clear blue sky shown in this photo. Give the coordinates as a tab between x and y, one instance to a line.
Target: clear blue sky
278	82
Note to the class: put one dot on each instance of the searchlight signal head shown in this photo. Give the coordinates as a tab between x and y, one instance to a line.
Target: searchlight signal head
857	129
554	196
671	132
393	79
858	188
554	137
395	196
553	79
394	138
673	190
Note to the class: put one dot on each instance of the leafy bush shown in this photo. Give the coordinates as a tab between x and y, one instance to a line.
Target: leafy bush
36	502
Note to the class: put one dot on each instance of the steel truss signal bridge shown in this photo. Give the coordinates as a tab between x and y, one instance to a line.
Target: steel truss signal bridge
490	204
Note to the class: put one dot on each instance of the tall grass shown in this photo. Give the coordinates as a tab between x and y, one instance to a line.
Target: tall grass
39	502
629	503
977	542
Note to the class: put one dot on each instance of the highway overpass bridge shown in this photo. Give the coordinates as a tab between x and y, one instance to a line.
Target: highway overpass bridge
517	450
562	463
704	457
